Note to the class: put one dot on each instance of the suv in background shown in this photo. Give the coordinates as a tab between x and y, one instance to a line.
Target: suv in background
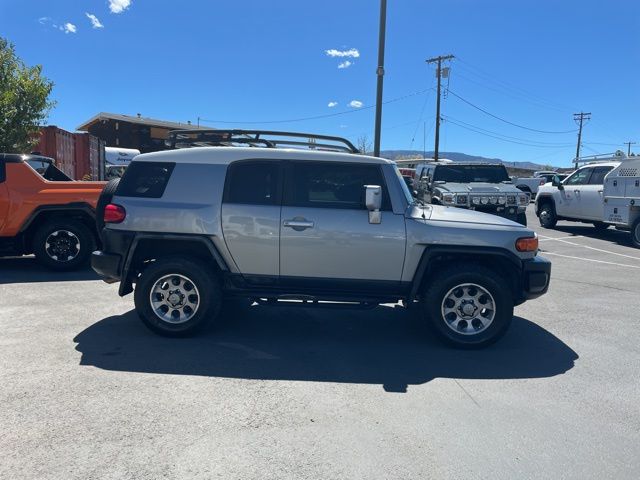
319	227
43	211
485	187
578	198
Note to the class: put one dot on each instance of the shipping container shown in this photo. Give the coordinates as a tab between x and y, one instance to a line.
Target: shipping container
79	155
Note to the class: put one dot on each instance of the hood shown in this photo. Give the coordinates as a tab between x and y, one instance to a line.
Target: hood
459	215
479	187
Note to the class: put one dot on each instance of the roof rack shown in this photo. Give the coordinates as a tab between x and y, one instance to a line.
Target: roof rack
618	155
257	138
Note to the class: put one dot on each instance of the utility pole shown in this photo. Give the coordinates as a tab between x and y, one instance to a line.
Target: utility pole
579	118
438	60
628	144
380	74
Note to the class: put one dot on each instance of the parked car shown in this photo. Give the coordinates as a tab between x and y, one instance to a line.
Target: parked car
530	185
314	228
44	212
578	198
485	187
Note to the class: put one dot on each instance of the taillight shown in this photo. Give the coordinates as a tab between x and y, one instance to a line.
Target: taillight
527	244
114	213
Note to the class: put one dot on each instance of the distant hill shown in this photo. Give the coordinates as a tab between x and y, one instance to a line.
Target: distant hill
458	157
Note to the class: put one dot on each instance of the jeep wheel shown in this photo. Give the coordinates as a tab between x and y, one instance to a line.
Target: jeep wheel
600	226
547	216
63	244
468	306
635	233
177	297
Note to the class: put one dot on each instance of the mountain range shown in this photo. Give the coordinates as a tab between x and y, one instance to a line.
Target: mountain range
458	157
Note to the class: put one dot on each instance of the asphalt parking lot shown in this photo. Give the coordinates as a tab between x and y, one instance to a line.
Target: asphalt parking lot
87	392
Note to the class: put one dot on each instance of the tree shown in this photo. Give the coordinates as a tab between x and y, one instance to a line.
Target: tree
363	144
24	101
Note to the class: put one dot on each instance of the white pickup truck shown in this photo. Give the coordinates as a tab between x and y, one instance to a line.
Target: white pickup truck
602	193
531	185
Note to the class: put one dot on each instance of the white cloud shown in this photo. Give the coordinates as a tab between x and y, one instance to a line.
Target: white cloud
44	20
355	104
332	104
119	6
352	52
69	28
345	64
95	23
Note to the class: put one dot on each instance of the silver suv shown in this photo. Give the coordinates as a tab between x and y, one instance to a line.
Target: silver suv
317	225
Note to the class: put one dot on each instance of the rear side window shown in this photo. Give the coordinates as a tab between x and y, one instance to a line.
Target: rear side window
597	177
145	179
253	183
332	185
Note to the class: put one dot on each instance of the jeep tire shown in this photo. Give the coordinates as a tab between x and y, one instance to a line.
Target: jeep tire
178	296
635	233
547	215
61	244
469	306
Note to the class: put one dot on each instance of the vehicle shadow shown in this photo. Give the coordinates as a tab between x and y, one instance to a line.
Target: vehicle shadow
28	270
609	235
386	346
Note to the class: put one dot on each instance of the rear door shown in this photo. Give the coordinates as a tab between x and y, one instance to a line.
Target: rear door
325	235
251	218
568	204
591	197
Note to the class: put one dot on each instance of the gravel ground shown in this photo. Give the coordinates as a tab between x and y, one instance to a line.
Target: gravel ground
87	392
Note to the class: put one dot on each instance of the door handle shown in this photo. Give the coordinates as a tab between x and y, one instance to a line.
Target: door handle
298	225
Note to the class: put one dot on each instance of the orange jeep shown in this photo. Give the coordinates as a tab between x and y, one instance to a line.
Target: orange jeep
44	212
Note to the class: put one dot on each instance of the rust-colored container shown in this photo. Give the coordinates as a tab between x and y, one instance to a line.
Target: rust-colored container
79	155
59	145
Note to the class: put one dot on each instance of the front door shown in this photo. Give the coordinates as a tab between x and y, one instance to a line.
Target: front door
326	239
569	202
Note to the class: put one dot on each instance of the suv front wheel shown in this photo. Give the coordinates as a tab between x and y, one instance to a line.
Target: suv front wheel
469	306
547	215
177	297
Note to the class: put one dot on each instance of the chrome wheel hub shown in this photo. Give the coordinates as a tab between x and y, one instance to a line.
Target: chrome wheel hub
62	245
468	309
174	298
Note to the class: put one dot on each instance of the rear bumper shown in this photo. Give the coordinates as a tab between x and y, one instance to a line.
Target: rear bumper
536	275
107	265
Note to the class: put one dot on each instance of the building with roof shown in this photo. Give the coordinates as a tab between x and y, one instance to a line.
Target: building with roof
126	131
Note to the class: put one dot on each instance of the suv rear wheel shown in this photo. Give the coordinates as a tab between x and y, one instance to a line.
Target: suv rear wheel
469	306
177	297
547	215
63	244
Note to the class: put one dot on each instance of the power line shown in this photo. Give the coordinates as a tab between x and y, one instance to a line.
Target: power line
529	141
503	139
317	117
507	121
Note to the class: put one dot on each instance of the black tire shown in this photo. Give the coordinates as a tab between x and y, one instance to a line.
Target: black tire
207	285
446	282
71	238
600	226
522	219
103	200
635	233
547	215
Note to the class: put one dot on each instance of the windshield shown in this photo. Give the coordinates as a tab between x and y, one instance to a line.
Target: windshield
404	187
471	173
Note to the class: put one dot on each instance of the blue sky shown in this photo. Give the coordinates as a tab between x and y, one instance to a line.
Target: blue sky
532	63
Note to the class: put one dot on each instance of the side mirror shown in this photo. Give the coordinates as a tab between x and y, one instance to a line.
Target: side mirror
373	202
557	183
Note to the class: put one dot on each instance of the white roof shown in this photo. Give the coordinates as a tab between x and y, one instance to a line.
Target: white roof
226	155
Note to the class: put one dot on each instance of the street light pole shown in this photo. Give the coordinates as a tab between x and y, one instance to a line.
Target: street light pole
380	74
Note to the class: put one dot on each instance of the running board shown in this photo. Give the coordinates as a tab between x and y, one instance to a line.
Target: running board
309	301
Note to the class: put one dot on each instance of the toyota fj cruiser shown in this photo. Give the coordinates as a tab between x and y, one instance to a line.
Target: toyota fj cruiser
485	187
43	211
316	227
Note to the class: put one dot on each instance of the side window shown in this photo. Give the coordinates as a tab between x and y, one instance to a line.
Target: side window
580	177
145	179
597	178
253	183
333	185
